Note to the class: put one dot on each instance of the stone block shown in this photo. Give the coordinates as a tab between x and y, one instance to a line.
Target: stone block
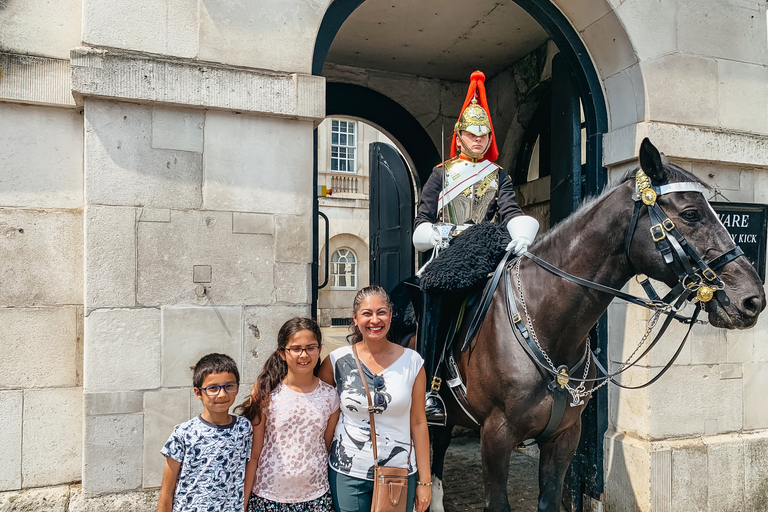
128	402
730	371
722	29
582	13
40	80
49	499
225	29
689	486
41	257
609	46
10	449
53	436
708	344
180	129
681	414
241	266
122	350
651	26
39	347
260	328
627	473
740	345
257	164
292	283
682	89
127	76
626	104
629	409
737	82
137	501
110	257
725	472
755	379
166	27
293	239
755	469
189	333
154	215
60	19
112	453
163	410
122	168
41	156
718	176
253	223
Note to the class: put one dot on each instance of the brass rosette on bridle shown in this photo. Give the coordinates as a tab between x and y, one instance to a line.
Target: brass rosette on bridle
647	194
474	120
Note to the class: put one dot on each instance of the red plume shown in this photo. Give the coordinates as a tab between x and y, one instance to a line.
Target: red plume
477	87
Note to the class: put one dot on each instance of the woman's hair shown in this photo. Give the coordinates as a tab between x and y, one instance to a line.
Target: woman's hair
369	291
275	369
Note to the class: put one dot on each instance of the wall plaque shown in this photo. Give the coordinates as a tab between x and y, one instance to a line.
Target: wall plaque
747	224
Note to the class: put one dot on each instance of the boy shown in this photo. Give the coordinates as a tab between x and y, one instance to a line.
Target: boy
206	456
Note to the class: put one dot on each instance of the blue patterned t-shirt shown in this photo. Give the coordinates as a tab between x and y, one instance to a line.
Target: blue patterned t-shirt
212	460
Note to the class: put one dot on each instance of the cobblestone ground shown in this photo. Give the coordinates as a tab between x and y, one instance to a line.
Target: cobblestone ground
463	478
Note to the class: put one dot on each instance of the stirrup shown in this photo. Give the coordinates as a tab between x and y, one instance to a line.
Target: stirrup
439	417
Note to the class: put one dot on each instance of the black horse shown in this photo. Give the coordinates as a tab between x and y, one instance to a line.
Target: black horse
507	393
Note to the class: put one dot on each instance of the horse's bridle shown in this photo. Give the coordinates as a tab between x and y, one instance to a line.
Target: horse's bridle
693	274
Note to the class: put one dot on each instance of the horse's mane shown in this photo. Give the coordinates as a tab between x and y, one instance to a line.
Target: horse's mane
675	174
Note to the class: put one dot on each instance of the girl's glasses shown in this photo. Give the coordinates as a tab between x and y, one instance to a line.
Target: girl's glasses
229	387
296	351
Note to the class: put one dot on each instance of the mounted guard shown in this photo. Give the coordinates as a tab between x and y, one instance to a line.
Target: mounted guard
467	189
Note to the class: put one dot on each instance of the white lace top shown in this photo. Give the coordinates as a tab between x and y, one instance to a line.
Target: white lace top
293	466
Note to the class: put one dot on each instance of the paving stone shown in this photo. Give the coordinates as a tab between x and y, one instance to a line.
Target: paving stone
137	501
48	499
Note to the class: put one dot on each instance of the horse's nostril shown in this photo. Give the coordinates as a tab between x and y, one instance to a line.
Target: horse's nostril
754	304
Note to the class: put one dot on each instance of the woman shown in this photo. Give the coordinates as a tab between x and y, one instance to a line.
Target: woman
396	379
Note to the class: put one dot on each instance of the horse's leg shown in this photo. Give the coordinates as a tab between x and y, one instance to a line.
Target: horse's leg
496	445
441	439
554	458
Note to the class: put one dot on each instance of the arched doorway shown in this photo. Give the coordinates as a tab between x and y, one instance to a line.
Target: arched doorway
576	96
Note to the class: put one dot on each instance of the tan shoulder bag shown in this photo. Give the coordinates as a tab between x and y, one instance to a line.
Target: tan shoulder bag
390	485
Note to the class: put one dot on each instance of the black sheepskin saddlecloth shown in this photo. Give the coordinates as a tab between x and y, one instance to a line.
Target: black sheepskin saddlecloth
466	263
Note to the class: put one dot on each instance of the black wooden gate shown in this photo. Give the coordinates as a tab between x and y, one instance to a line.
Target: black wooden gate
391	217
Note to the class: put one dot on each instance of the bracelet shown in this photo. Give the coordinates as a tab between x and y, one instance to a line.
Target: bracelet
428	484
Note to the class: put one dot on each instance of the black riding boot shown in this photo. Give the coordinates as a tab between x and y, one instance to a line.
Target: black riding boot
430	342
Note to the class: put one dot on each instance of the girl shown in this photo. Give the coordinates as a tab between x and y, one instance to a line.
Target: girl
396	380
293	415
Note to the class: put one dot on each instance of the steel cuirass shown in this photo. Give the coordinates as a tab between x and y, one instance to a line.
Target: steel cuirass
470	188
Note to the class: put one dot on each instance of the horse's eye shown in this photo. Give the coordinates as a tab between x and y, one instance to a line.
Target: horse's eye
690	215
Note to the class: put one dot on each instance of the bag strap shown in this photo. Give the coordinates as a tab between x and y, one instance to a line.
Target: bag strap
370	405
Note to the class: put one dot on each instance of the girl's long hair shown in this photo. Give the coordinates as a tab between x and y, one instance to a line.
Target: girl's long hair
275	369
369	291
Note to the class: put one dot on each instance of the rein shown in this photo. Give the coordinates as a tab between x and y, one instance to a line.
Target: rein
695	276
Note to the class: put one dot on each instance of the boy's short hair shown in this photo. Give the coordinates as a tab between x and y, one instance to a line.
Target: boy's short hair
214	363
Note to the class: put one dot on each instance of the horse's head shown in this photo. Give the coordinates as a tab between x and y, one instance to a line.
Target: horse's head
672	209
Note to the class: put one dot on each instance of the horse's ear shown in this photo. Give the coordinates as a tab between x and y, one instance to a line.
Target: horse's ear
650	162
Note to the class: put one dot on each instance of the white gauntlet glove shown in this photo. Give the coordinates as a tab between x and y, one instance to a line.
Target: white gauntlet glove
425	237
523	230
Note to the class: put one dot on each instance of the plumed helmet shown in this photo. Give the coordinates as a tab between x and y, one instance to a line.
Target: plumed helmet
475	117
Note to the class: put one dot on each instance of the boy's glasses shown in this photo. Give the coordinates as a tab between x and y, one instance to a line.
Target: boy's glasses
379	400
296	351
229	387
